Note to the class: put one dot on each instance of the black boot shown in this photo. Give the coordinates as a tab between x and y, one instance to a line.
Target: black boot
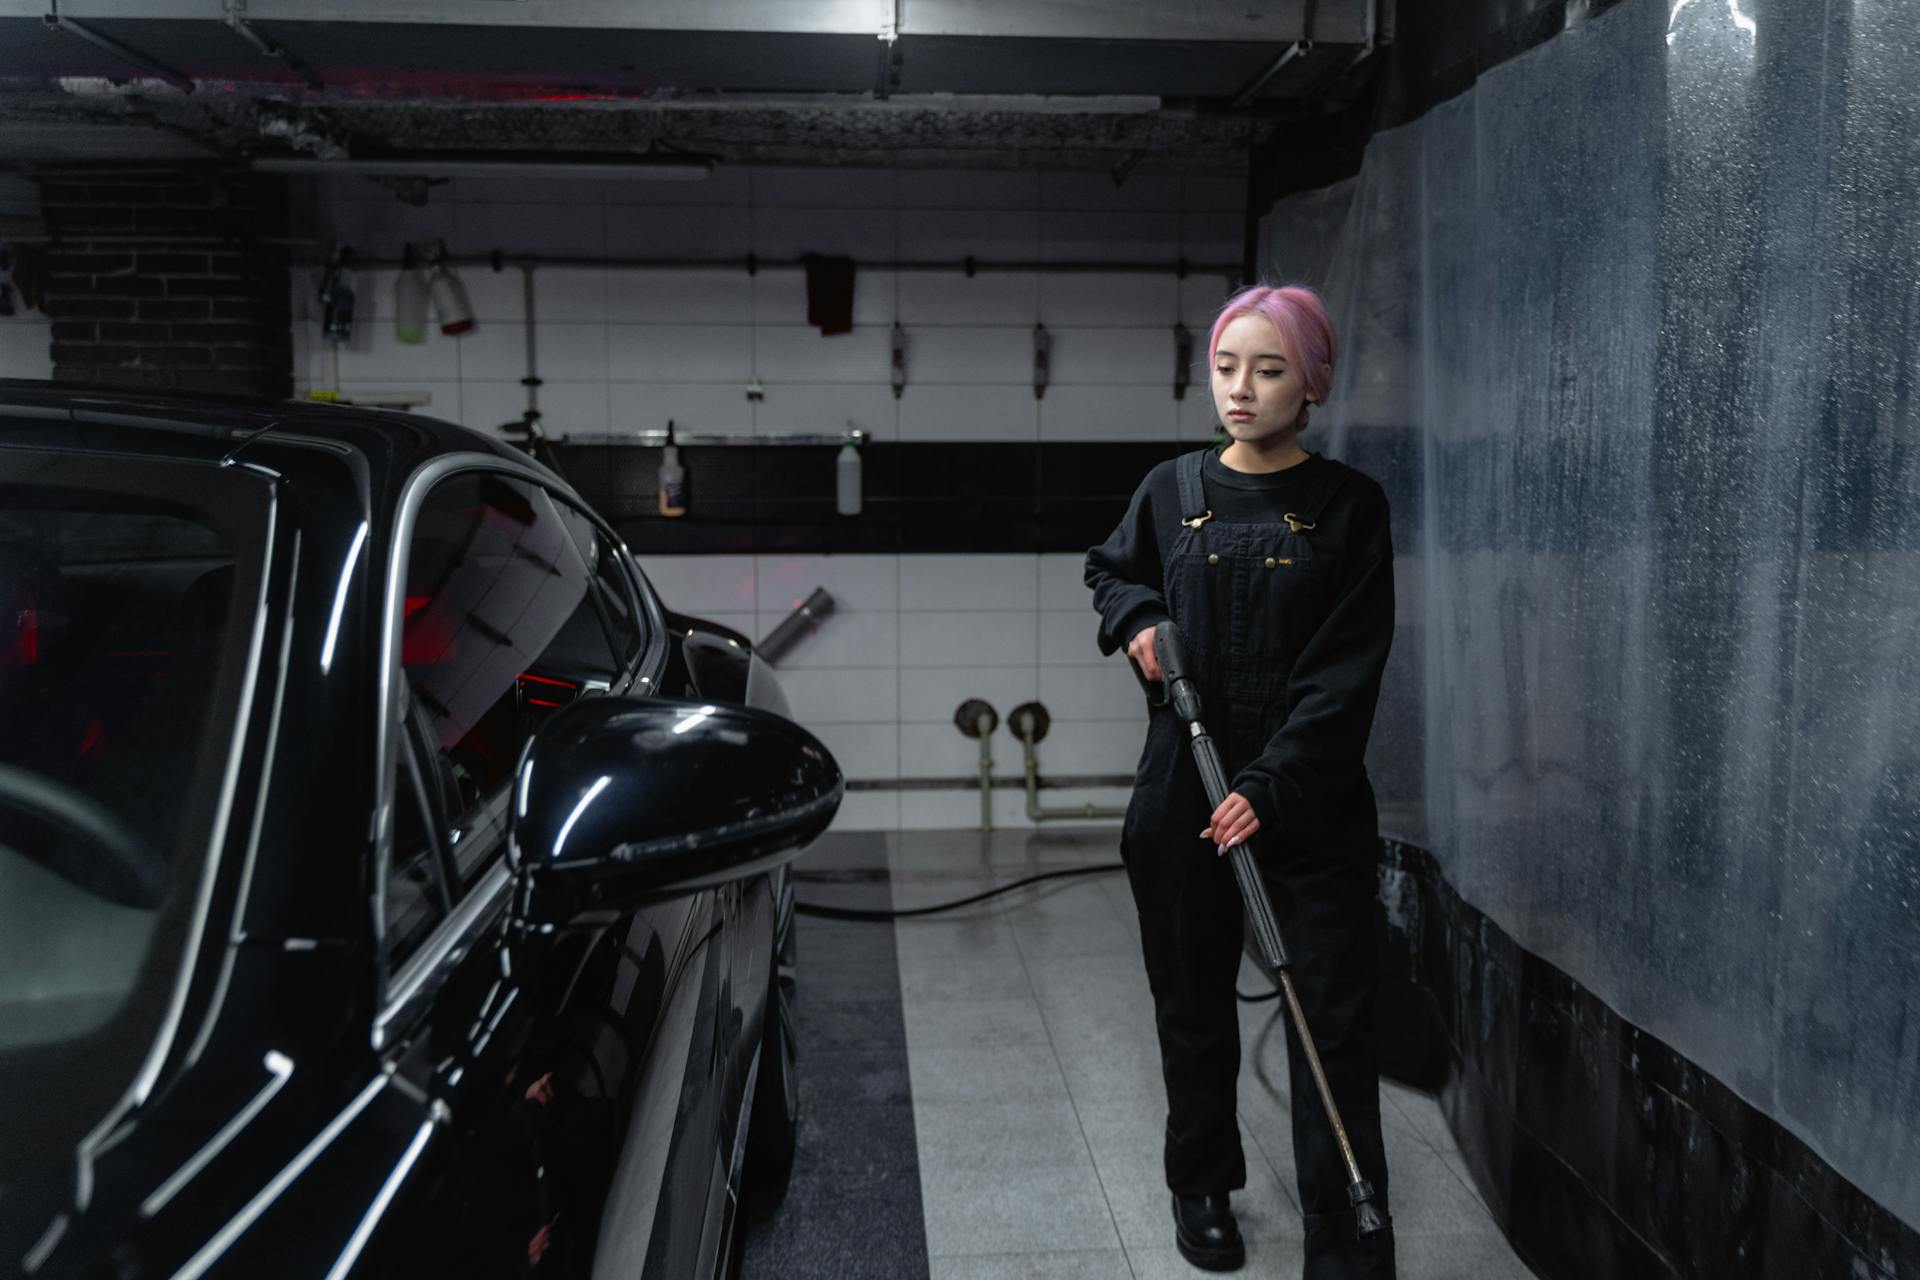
1208	1237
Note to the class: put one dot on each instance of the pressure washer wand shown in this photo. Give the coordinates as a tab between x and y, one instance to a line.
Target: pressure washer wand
1177	679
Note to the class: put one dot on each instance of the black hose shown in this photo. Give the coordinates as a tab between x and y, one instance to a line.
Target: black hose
852	913
875	916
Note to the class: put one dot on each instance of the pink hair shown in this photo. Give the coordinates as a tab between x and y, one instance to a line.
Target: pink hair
1300	318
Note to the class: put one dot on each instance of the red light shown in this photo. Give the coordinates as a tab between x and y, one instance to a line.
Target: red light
94	735
27	635
564	684
542	702
417	603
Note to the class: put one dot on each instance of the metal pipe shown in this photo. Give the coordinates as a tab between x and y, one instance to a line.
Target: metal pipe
125	52
1039	814
965	266
804	620
984	723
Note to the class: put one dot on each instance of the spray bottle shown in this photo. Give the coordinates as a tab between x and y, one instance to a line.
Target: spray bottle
673	479
846	474
410	300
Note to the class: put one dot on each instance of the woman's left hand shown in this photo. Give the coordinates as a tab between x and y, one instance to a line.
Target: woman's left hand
1233	822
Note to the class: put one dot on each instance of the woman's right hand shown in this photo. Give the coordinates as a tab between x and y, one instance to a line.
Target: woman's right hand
1140	649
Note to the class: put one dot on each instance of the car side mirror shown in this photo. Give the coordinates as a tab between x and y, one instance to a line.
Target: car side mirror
623	801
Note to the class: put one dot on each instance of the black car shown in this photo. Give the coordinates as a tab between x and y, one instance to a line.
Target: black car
389	884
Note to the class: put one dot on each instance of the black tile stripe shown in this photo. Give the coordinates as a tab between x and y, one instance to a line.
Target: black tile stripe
852	1206
1602	1150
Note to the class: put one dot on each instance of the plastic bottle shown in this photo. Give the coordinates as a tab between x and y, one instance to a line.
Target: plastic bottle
450	302
846	477
410	301
673	479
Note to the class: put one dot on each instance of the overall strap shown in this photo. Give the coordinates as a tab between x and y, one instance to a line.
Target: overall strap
1193	496
1324	493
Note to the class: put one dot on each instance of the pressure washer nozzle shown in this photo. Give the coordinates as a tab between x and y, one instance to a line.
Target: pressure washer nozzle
1367	1218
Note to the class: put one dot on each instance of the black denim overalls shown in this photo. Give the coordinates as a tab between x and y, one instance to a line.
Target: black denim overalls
1247	597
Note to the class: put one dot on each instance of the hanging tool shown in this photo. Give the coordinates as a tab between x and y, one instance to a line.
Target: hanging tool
1178	688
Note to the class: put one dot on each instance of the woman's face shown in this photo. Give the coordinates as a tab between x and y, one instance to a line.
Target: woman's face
1257	391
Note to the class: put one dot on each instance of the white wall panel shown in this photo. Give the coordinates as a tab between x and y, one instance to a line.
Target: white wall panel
687	296
1133	298
1063	581
1118	236
981	355
1002	638
798	353
1108	691
862	750
565	352
680	353
26	346
678	231
968	582
1110	412
954	234
703	584
930	695
842	695
1093	357
859	583
968	411
798	408
987	297
565	407
709	406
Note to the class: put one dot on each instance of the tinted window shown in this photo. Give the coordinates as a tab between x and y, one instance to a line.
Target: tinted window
504	624
125	589
613	587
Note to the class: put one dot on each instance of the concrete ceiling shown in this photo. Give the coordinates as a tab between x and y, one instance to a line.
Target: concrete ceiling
992	83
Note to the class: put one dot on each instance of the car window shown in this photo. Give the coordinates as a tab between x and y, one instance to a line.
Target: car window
503	624
126	603
612	586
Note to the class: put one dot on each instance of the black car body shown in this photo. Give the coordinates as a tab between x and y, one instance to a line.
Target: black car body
389	884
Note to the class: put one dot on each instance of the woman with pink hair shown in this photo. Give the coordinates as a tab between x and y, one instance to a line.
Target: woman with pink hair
1277	565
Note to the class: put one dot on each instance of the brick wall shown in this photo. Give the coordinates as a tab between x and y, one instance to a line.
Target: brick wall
170	281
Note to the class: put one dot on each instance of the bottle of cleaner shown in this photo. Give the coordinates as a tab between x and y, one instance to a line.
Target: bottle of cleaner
673	479
410	300
846	477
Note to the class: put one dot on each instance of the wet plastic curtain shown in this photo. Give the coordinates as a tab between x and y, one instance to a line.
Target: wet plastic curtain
1631	331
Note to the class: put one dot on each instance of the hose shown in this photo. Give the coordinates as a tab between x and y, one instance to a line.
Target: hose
865	916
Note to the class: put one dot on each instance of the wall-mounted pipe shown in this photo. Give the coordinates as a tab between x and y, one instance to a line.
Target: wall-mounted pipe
1029	722
976	719
803	621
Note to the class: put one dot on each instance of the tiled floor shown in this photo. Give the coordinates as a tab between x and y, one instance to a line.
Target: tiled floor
1037	1100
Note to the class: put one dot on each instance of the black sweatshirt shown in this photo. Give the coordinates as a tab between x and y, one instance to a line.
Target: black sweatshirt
1314	761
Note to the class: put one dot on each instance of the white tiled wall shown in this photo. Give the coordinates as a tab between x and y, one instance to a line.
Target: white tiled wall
911	638
624	350
26	344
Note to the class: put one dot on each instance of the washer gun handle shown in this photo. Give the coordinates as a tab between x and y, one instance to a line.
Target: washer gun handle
1176	675
1156	690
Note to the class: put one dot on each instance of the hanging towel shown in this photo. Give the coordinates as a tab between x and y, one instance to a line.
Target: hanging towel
829	293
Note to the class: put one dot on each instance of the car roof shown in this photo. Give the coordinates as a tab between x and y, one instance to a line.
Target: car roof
200	424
